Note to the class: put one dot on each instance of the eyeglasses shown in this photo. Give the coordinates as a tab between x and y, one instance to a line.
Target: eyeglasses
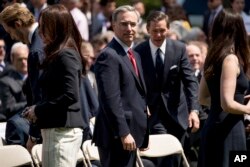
2	47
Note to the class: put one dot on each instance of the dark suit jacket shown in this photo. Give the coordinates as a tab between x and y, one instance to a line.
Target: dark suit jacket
35	58
89	104
60	83
121	98
205	22
13	102
89	101
31	88
95	27
206	27
11	95
179	88
6	71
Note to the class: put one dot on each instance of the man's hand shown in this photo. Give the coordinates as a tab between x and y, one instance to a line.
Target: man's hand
128	142
193	121
30	144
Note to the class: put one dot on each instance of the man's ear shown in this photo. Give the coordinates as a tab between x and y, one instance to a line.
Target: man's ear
18	24
147	27
113	25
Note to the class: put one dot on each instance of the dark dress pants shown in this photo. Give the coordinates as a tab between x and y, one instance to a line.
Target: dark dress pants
116	156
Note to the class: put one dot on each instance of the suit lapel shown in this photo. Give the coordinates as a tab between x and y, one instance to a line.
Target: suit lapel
139	66
131	68
169	57
150	69
125	58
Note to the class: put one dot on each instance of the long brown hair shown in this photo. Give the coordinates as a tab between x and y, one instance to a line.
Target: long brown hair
60	31
228	36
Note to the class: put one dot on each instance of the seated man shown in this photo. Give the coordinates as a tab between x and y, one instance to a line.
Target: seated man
12	97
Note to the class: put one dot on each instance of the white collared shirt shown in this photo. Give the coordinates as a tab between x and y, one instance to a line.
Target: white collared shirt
124	46
154	48
81	22
2	65
32	30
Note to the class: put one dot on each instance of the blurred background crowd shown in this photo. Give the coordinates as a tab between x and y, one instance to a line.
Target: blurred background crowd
189	19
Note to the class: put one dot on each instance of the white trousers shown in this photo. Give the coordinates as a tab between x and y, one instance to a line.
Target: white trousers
60	146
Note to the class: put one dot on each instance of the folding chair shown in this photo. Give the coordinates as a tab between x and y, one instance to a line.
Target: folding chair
2	129
80	157
90	152
2	141
36	154
162	145
14	155
92	121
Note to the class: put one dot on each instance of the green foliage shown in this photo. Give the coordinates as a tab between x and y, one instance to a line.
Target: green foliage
149	4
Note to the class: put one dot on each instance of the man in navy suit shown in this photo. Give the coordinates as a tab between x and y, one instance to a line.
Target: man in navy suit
172	89
20	23
121	124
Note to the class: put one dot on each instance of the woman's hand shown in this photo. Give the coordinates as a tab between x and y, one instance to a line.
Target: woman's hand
29	114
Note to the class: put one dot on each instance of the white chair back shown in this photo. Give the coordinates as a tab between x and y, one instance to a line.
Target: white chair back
162	145
2	129
36	154
14	155
90	152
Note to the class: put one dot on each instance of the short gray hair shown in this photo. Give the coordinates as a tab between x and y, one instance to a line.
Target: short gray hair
124	8
16	47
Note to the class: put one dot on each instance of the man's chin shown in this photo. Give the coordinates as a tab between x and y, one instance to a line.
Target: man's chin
129	41
158	43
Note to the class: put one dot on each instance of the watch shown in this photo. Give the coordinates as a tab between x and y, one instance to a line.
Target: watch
196	111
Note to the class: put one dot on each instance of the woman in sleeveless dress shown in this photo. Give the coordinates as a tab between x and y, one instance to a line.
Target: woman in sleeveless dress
223	88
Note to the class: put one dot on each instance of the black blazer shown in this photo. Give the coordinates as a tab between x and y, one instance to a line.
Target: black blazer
60	83
179	89
121	97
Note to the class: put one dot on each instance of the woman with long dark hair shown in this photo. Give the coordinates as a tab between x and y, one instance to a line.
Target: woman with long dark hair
58	114
223	88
